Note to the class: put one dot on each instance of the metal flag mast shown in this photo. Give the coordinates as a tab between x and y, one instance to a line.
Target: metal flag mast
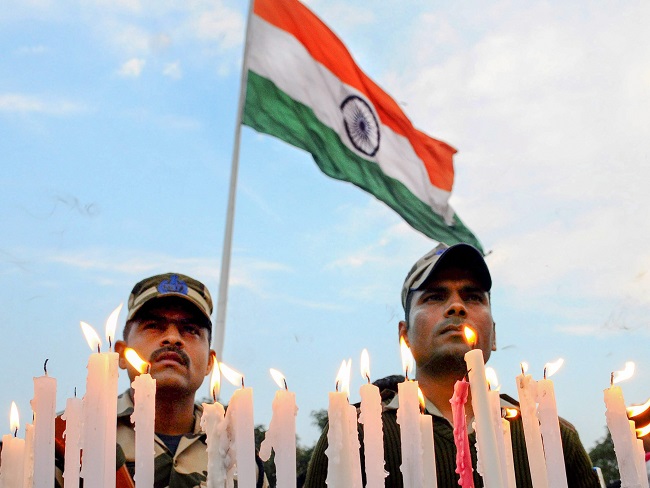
219	327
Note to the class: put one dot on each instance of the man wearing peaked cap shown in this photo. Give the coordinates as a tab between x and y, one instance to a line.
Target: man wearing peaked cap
445	290
169	325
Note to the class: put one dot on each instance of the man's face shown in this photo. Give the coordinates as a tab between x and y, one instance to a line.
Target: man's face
451	299
171	336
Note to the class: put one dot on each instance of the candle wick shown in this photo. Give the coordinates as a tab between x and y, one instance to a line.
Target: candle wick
148	368
544	372
368	378
242	382
45	366
214	394
337	386
98	349
16	432
285	384
611	379
110	343
522	369
75	392
406	374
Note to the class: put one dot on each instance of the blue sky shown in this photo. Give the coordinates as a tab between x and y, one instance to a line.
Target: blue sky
117	123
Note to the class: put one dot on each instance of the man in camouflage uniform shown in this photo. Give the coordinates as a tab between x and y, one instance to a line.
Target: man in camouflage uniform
168	324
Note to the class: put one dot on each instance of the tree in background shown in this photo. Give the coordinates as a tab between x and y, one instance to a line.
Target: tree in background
603	456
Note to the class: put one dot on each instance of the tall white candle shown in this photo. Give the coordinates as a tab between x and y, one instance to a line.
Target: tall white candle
619	427
527	389
408	418
281	436
143	418
373	437
495	403
28	471
428	448
550	428
72	434
239	416
100	410
510	464
485	431
13	454
213	423
44	407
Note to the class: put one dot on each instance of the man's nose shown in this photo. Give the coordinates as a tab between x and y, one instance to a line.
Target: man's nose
172	336
456	308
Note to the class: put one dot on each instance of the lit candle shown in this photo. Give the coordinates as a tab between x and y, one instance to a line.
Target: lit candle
239	416
619	427
214	425
100	409
463	454
497	419
344	461
44	407
550	427
373	437
281	436
428	450
143	418
72	417
527	388
13	454
507	437
486	439
408	418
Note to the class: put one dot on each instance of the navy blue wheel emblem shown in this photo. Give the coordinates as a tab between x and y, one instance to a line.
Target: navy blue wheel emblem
361	125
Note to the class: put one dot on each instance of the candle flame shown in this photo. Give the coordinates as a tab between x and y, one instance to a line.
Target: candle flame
491	377
343	377
136	361
524	367
510	413
408	363
551	368
92	337
421	400
234	377
634	410
643	431
626	374
365	364
470	336
111	324
279	378
215	380
14	419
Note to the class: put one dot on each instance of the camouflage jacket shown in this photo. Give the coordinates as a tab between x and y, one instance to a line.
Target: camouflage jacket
187	468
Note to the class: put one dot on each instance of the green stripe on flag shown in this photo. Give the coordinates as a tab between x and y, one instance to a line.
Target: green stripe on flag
271	111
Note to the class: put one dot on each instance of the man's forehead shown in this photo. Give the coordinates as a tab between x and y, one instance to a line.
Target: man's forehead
453	275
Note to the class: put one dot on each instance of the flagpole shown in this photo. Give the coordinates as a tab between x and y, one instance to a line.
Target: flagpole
219	330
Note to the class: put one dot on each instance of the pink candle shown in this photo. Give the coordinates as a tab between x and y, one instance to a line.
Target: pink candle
463	455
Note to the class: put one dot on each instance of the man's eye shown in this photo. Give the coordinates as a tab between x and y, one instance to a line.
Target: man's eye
192	329
434	297
475	297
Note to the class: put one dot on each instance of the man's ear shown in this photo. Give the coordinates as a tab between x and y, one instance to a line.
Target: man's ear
211	359
119	348
403	331
494	336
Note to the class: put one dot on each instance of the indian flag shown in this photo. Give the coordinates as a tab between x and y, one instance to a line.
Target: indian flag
304	88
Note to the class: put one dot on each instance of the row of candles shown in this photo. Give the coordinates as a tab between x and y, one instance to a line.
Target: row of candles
90	424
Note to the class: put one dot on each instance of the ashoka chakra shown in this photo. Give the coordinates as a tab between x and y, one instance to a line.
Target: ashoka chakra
361	124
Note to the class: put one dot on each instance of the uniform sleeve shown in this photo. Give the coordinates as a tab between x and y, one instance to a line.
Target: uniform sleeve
579	470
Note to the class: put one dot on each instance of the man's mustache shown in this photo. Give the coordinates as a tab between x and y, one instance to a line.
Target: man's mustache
185	359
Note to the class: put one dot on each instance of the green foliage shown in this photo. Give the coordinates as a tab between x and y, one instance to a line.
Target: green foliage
603	456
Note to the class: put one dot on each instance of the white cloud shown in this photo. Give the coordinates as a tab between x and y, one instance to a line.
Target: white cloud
32	50
24	104
132	68
173	70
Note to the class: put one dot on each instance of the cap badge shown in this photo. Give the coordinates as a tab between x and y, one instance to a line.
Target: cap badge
173	285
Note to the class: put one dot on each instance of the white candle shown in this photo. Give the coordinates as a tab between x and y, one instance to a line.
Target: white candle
510	464
239	416
485	432
550	428
28	471
143	418
619	427
408	418
214	425
428	451
72	434
527	389
281	436
343	470
100	410
373	437
13	454
44	407
495	404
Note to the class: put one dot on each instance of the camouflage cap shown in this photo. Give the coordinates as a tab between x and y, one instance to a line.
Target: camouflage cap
170	285
462	255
